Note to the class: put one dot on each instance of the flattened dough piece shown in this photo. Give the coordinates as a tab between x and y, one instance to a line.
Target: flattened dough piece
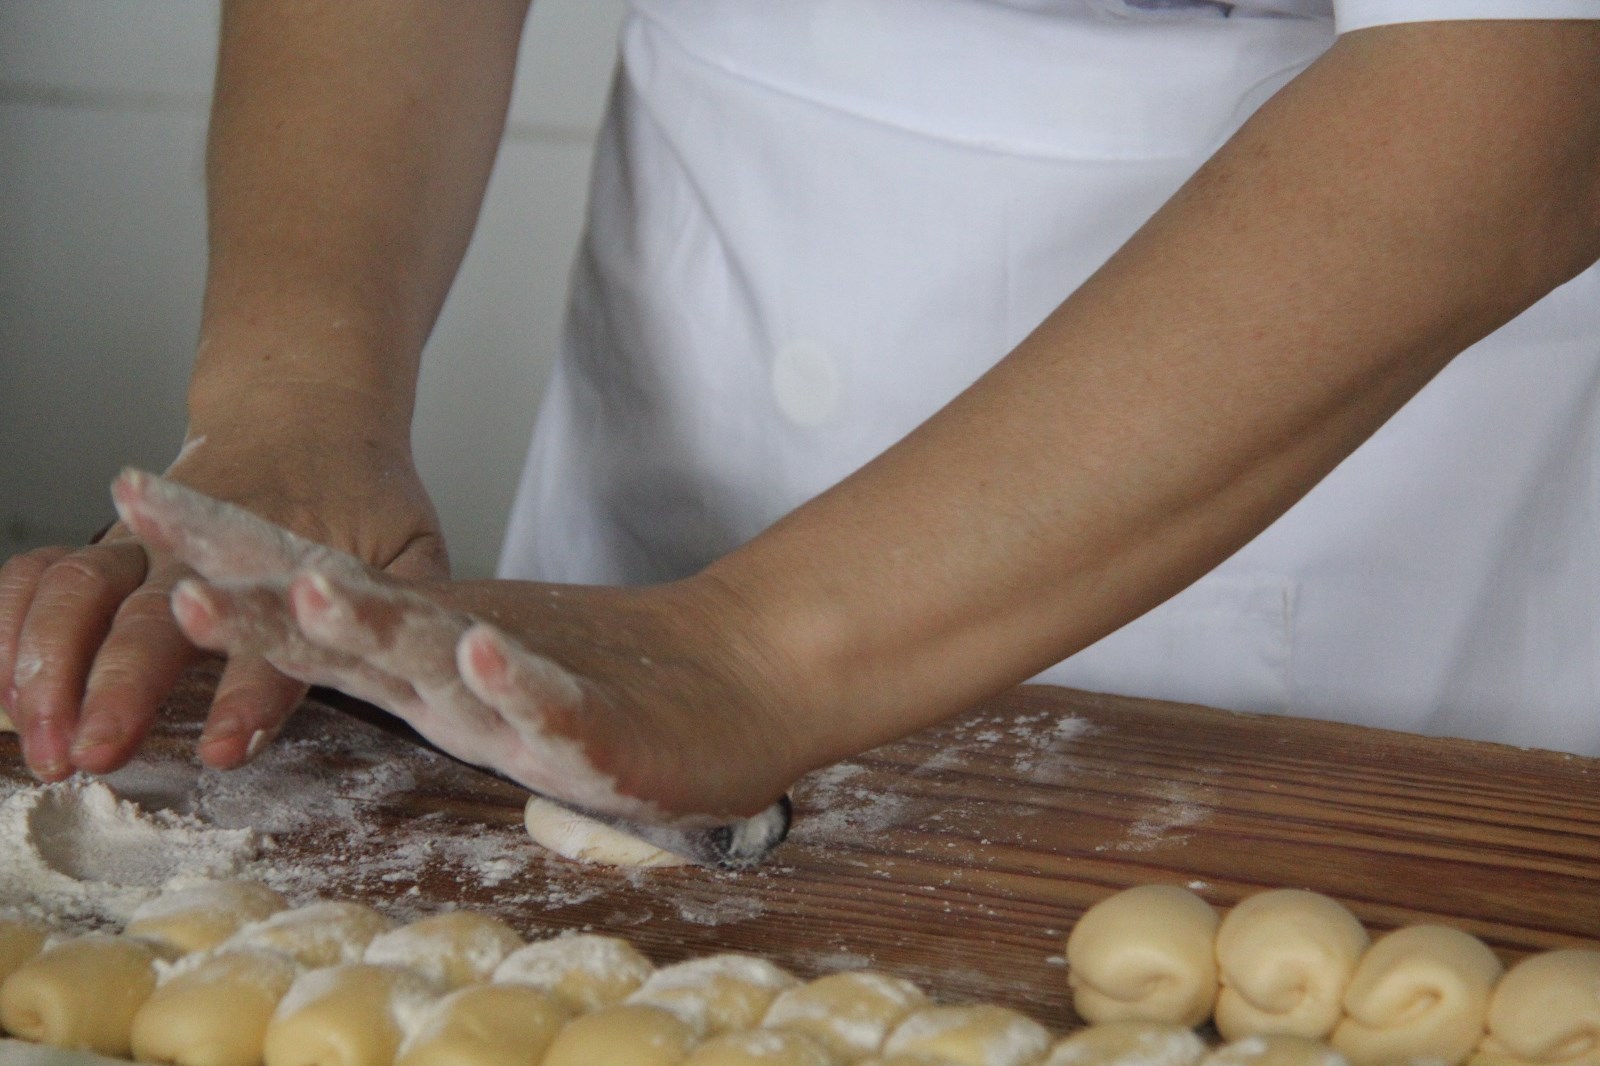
316	935
486	1025
1419	992
622	1036
586	971
1546	1009
761	1047
850	1014
81	993
20	940
717	993
345	1015
977	1035
1129	1044
201	917
573	836
1145	954
213	1010
1284	959
1275	1050
452	949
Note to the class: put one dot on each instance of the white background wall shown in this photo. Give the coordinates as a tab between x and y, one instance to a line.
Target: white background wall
102	251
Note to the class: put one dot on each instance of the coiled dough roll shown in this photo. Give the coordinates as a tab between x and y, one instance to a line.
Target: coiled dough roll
978	1035
346	1015
1145	954
761	1047
203	916
455	948
1129	1044
316	935
717	993
81	993
485	1025
586	971
623	1036
1284	959
850	1014
1420	992
213	1009
1277	1049
1546	1010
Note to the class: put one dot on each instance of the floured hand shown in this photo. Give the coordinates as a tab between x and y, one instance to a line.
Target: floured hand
656	705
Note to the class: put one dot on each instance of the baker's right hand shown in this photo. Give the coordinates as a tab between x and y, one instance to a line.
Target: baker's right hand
88	646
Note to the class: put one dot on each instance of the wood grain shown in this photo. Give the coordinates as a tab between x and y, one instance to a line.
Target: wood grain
959	857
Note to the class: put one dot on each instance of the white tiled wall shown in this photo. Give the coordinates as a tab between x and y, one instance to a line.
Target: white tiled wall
102	127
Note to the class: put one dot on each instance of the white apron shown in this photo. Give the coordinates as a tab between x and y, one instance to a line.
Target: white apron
815	221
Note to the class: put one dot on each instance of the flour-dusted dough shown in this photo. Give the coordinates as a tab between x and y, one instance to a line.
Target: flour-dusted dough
977	1035
213	1009
850	1014
1284	959
316	935
622	1036
348	1015
585	970
717	993
1129	1044
1419	992
81	993
20	940
1145	954
1546	1010
453	949
203	916
572	836
1275	1050
485	1025
761	1047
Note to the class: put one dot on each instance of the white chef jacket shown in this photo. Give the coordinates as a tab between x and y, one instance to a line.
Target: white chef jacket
813	222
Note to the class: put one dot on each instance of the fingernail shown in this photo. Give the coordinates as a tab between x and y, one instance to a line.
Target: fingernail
45	750
258	740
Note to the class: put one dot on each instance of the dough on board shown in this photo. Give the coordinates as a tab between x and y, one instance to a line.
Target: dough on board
213	1009
850	1014
1546	1010
760	1047
977	1035
586	971
716	993
344	1016
573	836
1284	959
203	916
453	949
1145	954
1129	1044
627	1035
485	1025
318	934
81	993
1420	992
1275	1050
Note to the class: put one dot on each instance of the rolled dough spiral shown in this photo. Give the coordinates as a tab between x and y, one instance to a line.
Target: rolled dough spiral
316	935
626	1035
1275	1050
485	1025
81	993
1419	992
213	1009
977	1035
585	970
203	916
1145	954
1284	959
761	1047
1129	1044
573	836
1546	1010
346	1015
717	993
453	949
850	1014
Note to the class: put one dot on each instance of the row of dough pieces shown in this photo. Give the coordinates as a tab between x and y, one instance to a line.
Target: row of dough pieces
1298	964
225	974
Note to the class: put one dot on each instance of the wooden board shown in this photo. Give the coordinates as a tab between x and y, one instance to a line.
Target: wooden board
960	857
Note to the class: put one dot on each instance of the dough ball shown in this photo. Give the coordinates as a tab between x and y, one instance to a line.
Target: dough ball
194	919
316	935
213	1009
1275	1050
622	1036
761	1047
979	1035
850	1014
349	1015
20	940
1145	954
573	836
1284	959
485	1025
1419	992
81	993
586	971
454	949
718	993
1129	1044
1546	1009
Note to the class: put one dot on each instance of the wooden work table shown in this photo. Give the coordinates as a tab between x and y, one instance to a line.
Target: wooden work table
960	857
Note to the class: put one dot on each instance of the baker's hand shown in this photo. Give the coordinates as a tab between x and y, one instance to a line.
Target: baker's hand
89	648
655	705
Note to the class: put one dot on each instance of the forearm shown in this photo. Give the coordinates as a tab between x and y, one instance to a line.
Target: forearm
1416	188
350	145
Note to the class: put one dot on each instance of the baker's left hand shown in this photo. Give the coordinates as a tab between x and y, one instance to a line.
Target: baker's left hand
656	704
